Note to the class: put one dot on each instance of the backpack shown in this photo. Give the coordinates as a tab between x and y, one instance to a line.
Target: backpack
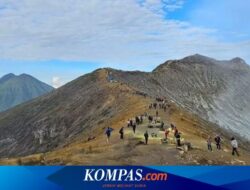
108	131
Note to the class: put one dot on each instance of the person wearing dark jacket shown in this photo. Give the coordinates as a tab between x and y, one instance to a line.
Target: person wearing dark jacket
134	127
121	133
162	125
150	118
178	139
146	137
175	131
157	113
137	120
108	133
131	122
217	140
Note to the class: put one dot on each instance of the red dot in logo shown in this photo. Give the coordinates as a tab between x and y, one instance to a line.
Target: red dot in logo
143	179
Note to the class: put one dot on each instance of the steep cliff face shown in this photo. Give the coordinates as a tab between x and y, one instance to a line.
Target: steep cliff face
231	108
215	90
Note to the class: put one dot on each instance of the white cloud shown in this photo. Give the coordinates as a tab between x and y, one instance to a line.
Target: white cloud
159	6
131	33
56	82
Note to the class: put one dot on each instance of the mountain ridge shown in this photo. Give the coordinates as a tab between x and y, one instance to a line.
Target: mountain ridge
92	102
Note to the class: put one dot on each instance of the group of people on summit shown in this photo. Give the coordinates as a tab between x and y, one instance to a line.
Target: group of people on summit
162	104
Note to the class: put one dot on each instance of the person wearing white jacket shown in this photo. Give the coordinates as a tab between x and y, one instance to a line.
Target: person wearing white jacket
234	144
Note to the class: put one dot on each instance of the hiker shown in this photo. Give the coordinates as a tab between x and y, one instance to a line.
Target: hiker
234	144
209	144
217	140
137	120
178	139
166	133
155	120
162	125
155	105
175	131
150	118
165	108
141	119
121	132
146	137
160	106
128	123
131	123
150	106
108	133
172	126
156	113
134	127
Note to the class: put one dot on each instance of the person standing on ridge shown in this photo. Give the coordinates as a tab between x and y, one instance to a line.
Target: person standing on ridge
150	119
150	106
166	133
131	122
134	127
178	139
162	125
128	123
137	120
108	133
175	131
217	140
155	105
121	133
141	119
234	144
209	144
146	137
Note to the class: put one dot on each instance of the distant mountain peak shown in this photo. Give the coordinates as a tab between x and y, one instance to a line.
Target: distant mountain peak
23	75
192	59
238	60
7	77
238	63
16	89
10	75
198	58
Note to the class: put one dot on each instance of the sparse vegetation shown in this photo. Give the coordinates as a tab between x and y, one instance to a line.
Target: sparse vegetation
60	123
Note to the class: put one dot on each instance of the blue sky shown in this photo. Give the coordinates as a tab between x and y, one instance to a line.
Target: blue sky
57	41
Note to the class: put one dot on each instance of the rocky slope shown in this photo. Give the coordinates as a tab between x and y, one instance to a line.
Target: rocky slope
60	116
206	88
132	151
15	90
215	90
